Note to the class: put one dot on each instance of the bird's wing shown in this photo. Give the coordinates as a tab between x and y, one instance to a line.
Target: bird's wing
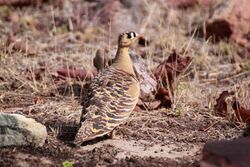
108	104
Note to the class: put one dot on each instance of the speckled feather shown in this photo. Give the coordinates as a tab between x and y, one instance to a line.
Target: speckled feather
108	103
112	94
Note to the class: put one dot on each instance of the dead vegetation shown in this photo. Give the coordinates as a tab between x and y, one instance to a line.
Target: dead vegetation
46	58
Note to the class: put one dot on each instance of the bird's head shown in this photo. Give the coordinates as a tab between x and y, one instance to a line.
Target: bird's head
128	38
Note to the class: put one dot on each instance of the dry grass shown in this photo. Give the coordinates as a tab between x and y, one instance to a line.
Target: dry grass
55	52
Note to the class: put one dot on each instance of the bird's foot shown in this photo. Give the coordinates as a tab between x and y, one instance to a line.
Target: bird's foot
113	135
77	142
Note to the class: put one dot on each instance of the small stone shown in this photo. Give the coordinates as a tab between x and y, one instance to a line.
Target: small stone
17	130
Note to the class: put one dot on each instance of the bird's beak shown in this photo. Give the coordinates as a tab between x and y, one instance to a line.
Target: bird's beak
138	35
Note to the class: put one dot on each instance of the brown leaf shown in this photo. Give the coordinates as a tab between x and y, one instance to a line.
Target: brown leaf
242	114
164	97
76	73
171	68
166	74
227	102
137	109
221	105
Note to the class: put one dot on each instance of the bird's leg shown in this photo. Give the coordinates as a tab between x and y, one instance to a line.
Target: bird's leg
113	135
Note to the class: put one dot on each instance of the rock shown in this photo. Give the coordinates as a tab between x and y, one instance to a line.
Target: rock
234	153
148	84
230	20
17	130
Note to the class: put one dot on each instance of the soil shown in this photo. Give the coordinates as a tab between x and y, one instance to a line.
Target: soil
30	85
149	138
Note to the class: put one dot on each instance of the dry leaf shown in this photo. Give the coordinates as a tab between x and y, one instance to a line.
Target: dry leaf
166	74
228	106
76	73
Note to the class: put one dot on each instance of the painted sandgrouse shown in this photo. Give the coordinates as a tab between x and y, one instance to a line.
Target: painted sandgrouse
112	94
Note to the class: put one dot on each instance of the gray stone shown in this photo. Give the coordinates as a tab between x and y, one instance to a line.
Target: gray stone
17	130
147	83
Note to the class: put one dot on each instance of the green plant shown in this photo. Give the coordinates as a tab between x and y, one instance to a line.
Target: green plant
246	67
67	164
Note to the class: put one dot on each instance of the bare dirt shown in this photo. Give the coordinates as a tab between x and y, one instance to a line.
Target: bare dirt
30	85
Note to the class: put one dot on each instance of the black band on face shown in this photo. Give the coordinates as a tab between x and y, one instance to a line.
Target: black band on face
134	34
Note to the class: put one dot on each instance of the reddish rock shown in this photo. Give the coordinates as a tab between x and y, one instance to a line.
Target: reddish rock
230	20
234	153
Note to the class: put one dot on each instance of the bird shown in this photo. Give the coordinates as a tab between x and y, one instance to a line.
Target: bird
112	94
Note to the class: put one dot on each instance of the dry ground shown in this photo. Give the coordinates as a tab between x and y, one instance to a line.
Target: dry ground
166	137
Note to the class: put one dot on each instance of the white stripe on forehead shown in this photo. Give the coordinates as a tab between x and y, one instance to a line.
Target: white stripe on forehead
131	34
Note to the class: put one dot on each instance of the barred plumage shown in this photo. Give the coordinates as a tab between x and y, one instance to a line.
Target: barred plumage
112	95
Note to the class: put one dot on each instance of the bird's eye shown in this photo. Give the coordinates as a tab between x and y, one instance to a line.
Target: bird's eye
129	35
